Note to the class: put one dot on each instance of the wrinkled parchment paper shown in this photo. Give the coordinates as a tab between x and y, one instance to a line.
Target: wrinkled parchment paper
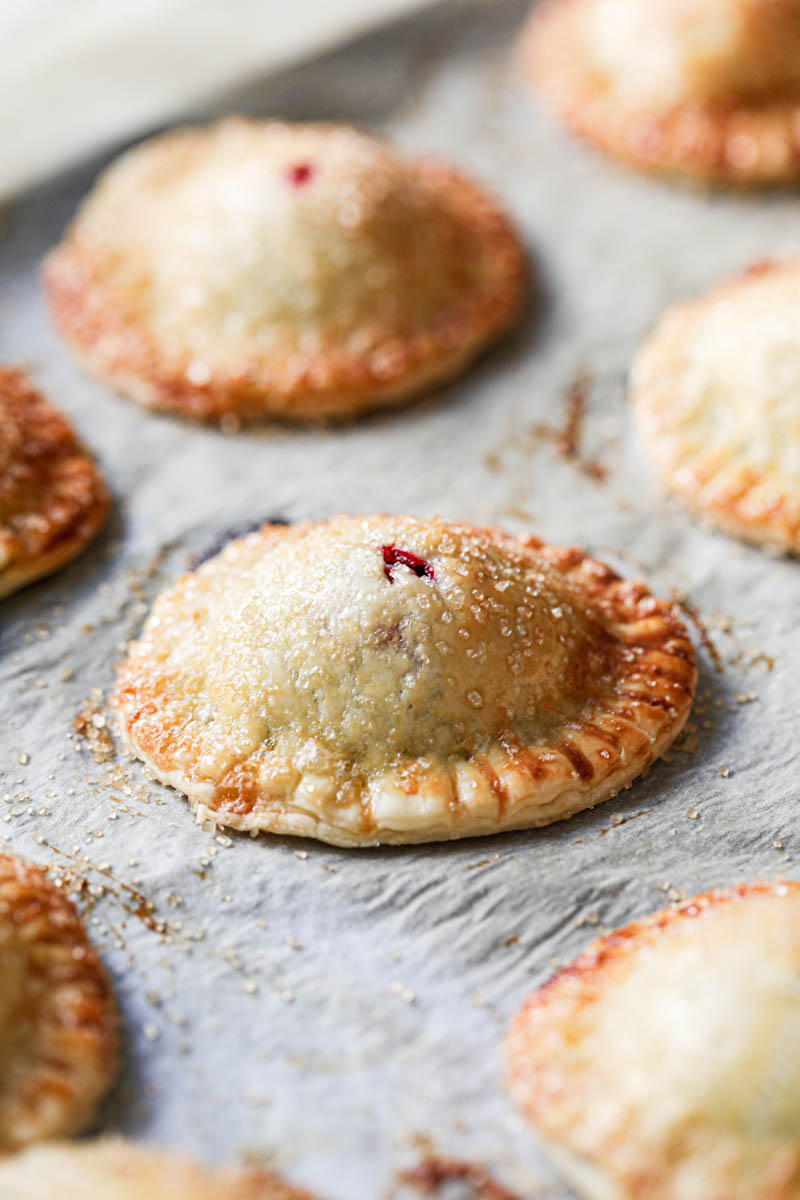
340	1012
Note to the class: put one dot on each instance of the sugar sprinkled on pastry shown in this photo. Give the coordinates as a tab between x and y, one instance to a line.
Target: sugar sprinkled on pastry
113	1169
253	269
716	397
52	499
391	679
664	1062
705	88
58	1025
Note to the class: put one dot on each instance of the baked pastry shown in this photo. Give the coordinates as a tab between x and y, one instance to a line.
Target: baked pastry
52	498
390	679
58	1024
705	88
113	1169
716	397
254	269
664	1062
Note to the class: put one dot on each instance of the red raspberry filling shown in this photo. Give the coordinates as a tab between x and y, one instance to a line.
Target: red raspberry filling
392	555
300	174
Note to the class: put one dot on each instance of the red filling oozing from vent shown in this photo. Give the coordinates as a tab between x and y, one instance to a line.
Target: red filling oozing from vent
392	555
300	174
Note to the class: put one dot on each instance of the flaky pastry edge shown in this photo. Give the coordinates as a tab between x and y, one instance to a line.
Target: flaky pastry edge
572	990
72	1019
706	486
25	568
521	787
744	146
335	385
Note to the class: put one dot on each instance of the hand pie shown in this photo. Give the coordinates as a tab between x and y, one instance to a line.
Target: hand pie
52	499
716	397
389	679
250	270
58	1024
703	88
664	1062
116	1170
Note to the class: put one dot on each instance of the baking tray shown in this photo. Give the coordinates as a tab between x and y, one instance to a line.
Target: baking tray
341	1012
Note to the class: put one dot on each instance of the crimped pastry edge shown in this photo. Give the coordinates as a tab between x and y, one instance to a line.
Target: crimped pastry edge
651	401
616	745
589	1177
81	1031
26	569
345	385
694	141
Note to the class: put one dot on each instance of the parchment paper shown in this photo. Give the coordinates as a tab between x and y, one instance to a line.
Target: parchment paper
342	1011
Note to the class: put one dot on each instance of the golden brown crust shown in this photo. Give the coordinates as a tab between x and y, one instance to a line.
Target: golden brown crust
58	1023
107	313
52	498
113	1169
723	1122
713	391
483	738
725	140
